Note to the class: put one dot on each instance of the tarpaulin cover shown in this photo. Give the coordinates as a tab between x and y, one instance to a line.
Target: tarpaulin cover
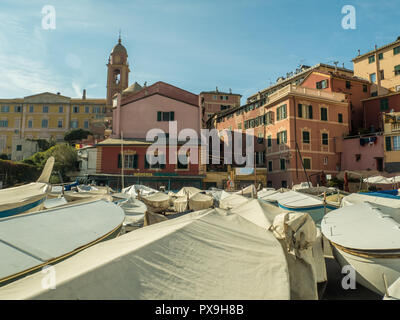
204	255
200	201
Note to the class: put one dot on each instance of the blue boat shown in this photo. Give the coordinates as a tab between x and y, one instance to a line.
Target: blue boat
27	198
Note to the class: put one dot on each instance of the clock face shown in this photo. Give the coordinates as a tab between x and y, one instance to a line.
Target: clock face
117	59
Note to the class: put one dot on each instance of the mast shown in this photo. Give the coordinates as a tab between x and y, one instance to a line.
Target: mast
122	160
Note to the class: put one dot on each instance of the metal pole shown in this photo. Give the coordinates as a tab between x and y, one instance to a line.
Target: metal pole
122	161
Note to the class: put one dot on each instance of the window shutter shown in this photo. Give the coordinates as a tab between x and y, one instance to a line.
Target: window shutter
135	161
172	116
119	161
159	115
310	112
146	163
300	111
388	144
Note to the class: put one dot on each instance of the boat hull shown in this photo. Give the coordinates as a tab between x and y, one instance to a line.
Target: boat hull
369	269
33	205
316	212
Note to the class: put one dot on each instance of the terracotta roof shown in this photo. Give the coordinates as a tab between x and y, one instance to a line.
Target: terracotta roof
163	89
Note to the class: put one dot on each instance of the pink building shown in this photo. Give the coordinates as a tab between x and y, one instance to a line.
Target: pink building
153	107
363	153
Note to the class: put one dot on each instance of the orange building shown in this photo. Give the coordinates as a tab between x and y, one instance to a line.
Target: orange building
300	130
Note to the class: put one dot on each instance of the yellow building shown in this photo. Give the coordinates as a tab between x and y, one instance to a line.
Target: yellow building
380	66
44	116
391	125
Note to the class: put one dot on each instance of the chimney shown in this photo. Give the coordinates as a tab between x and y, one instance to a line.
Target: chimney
216	89
84	94
359	52
230	90
58	93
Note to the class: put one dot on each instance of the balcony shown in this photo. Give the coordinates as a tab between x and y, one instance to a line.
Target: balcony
292	89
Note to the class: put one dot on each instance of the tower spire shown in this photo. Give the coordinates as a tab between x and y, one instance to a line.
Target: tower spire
119	37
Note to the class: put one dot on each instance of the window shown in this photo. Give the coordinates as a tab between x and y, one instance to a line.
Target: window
397	70
283	164
307	163
60	124
371	59
281	112
305	111
340	118
269	141
284	184
396	50
19	147
372	77
240	126
87	109
130	161
224	107
30	109
382	74
380	56
75	109
61	109
3	123
282	137
325	139
45	109
30	123
18	109
270	165
306	137
365	88
358	157
396	143
374	94
260	157
269	118
5	109
324	114
388	141
180	164
74	124
96	109
165	116
325	161
322	84
348	84
45	123
86	124
384	104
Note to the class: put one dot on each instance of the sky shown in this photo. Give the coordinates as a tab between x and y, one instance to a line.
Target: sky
196	45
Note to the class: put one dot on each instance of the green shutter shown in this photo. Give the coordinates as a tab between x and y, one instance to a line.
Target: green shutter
171	116
300	110
119	161
135	161
159	115
388	143
310	111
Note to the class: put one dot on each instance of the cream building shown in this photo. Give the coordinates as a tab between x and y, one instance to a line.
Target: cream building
44	116
382	67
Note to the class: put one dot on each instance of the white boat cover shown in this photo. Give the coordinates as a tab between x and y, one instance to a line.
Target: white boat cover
54	202
132	190
378	180
157	200
302	185
134	210
394	291
293	199
187	191
218	195
356	198
266	193
200	201
32	240
249	191
174	260
15	197
180	204
232	201
363	226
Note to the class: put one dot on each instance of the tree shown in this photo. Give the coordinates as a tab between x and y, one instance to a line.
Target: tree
76	135
66	159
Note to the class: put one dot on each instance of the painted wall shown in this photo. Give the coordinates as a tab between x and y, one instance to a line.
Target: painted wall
373	112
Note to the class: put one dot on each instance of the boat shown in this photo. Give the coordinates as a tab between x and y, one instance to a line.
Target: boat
296	201
134	210
180	200
29	197
203	255
393	292
55	202
249	191
134	189
372	197
367	237
31	241
156	202
200	201
232	201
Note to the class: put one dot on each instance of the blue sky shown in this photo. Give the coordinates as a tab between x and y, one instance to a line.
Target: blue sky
196	45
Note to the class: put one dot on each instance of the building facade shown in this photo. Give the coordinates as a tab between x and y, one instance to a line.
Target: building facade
299	131
44	116
391	133
381	66
212	102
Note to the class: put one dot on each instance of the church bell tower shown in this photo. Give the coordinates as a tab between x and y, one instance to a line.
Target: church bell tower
117	72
